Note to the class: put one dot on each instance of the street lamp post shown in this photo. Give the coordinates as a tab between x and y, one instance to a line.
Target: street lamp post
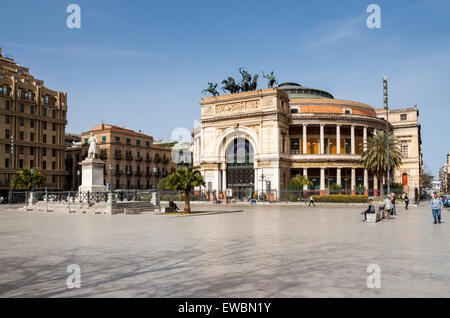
78	179
386	107
155	174
32	179
110	177
11	158
262	184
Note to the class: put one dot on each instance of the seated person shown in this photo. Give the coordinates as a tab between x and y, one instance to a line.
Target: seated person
370	209
173	206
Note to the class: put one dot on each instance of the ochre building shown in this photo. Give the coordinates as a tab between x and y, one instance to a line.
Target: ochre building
130	157
34	118
258	140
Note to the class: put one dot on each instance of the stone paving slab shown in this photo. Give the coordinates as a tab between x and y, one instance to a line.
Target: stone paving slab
265	252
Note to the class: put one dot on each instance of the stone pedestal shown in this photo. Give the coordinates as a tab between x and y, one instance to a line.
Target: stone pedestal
92	175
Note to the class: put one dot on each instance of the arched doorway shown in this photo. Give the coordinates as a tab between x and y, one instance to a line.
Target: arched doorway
240	173
405	179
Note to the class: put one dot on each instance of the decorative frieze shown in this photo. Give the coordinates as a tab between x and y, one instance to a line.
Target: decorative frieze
237	107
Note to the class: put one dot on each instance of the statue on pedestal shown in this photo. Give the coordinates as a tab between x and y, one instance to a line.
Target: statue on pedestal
92	146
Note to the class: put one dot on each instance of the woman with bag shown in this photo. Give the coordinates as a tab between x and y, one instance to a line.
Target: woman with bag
387	206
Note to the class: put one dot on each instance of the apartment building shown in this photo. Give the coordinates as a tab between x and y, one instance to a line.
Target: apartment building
32	118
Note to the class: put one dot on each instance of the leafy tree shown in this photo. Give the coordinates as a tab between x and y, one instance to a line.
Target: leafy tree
162	184
25	178
297	182
335	188
375	157
426	177
359	189
185	179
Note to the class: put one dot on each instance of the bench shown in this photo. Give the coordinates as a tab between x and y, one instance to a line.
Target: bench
374	217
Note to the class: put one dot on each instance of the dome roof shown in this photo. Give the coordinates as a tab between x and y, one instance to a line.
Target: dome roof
297	91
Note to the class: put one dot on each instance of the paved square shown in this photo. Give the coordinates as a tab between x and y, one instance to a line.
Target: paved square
265	251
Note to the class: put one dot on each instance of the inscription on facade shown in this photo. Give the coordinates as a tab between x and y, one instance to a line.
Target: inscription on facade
237	107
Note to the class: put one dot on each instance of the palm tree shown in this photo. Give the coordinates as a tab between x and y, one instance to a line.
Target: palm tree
185	179
375	157
298	182
25	179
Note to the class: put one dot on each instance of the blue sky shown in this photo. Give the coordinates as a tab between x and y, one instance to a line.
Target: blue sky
142	64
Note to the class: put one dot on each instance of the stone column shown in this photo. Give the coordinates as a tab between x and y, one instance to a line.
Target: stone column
305	187
366	182
338	139
224	181
322	146
353	180
338	176
375	186
352	133
322	181
365	138
305	139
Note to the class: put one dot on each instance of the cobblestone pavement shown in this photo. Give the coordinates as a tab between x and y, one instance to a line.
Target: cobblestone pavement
277	251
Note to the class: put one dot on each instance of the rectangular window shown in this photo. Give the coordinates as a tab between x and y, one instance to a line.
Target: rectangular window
21	163
147	144
44	151
44	112
403	116
53	126
21	122
22	107
7	119
6	133
20	150
117	139
128	141
46	100
53	178
295	144
53	165
44	165
138	142
31	151
86	141
31	163
53	139
31	123
53	152
348	145
31	137
21	136
32	109
7	104
104	138
44	139
44	125
405	151
6	162
53	113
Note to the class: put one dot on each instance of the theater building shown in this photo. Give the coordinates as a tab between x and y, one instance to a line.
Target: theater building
259	140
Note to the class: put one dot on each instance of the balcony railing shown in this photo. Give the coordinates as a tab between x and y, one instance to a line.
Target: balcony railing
103	156
128	172
118	156
138	158
128	157
157	159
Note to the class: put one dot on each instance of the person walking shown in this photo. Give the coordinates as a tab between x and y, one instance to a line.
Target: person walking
387	207
436	206
394	210
406	201
311	201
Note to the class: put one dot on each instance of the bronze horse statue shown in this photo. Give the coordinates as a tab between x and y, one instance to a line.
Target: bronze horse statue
231	86
211	89
271	79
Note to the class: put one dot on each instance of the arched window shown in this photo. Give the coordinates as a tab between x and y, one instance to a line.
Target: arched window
239	152
405	179
294	111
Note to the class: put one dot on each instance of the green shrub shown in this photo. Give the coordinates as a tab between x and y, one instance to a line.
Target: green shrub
293	198
341	198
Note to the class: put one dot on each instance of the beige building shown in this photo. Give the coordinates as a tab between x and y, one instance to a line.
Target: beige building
131	155
406	127
259	140
35	118
444	176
